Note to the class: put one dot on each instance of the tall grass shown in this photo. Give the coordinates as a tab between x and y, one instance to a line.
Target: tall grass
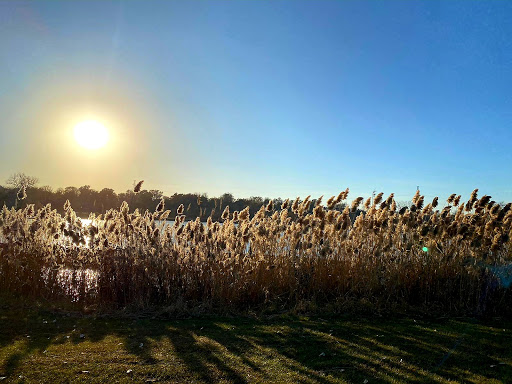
420	256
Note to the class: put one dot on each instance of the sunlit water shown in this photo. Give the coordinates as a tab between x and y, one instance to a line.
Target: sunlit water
72	281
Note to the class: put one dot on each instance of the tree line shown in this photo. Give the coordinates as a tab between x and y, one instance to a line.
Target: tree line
20	191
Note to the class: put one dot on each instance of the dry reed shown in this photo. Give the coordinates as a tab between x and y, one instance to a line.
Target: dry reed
419	256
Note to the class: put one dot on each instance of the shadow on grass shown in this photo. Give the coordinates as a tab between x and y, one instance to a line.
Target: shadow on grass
241	350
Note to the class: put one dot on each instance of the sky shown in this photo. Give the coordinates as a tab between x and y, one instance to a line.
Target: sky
263	98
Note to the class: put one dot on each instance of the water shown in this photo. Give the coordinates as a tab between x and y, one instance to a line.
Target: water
503	273
87	222
71	281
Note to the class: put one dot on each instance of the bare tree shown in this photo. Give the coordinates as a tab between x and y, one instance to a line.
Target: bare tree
19	180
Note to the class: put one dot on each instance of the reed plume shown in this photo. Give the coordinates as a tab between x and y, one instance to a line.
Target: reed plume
137	187
280	257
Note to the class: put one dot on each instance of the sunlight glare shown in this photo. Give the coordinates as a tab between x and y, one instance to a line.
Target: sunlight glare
91	134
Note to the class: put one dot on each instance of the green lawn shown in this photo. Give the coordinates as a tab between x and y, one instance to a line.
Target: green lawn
42	346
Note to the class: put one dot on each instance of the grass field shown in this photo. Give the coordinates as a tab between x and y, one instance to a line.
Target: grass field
43	346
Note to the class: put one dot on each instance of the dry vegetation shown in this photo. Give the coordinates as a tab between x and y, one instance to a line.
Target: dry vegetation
281	257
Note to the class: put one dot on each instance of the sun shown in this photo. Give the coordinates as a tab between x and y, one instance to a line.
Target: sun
91	134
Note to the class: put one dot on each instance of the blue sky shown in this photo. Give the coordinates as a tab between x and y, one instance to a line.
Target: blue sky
269	98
